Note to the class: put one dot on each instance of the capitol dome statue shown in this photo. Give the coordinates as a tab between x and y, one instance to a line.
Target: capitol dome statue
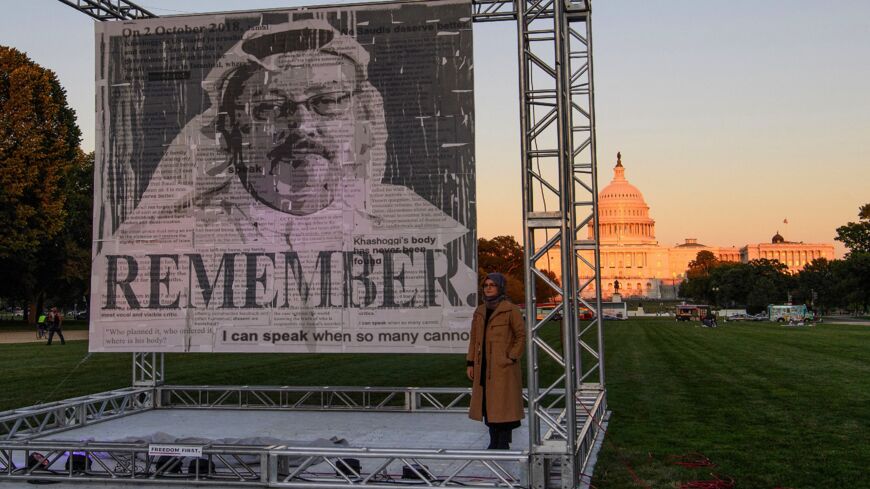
623	213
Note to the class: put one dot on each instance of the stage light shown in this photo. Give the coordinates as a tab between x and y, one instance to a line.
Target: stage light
79	462
203	466
349	467
408	472
37	460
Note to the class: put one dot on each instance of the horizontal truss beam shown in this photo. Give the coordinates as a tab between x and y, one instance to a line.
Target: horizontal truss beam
408	399
103	10
109	9
42	419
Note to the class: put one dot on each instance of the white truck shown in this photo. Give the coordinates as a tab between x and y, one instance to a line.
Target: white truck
788	313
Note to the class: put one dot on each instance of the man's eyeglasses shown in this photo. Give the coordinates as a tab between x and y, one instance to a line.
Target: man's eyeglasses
329	104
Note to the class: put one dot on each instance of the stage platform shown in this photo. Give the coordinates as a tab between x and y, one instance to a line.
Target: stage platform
361	429
270	437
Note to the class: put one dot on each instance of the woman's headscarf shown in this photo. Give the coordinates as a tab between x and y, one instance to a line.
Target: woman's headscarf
500	282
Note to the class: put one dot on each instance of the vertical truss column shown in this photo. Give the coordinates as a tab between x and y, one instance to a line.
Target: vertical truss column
559	205
147	369
584	167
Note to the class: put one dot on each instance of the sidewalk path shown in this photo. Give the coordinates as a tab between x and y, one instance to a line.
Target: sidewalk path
30	337
846	321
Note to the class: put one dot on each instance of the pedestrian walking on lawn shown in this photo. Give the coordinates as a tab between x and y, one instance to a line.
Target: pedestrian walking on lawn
55	324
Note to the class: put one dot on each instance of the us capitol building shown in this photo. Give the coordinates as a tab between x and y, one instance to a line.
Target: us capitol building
631	254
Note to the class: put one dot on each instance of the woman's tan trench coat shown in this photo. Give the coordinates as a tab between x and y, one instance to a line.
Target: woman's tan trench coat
505	343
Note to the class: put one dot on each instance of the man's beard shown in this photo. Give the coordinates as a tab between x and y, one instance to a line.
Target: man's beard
304	173
299	166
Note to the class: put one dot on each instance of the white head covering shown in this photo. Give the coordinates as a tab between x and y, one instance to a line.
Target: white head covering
263	47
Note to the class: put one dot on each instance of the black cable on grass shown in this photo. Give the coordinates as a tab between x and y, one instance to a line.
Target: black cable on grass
63	381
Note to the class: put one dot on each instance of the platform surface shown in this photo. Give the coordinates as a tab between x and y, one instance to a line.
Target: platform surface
360	429
417	430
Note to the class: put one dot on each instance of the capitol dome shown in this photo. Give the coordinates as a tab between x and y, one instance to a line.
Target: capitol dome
623	213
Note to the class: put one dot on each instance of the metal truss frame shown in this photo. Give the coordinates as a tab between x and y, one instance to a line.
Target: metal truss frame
560	202
272	466
43	419
349	398
264	466
408	399
148	369
566	396
109	9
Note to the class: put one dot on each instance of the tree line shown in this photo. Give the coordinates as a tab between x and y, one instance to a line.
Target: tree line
504	254
46	190
824	285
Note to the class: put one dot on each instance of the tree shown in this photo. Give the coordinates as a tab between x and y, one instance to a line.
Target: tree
696	288
72	245
500	254
38	146
816	285
543	292
504	254
698	284
731	280
702	264
753	285
59	268
768	283
852	275
856	235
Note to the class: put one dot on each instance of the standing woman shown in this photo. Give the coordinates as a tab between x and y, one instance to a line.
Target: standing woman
498	337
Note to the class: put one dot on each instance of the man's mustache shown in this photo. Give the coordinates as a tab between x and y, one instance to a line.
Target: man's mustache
298	146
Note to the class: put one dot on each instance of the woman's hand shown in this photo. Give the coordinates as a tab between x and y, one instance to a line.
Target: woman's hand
469	372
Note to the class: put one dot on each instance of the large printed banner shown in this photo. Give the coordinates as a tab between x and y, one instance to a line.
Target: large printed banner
286	181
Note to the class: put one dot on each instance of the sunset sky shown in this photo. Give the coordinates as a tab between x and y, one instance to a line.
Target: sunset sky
730	116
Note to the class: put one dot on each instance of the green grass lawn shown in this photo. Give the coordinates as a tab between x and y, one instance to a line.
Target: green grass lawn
20	325
772	406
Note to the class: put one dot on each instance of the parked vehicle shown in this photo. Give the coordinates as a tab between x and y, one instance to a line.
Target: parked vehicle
692	312
585	313
737	317
788	313
544	308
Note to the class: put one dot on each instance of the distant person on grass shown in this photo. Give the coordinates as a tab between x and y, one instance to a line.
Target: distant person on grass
498	337
55	324
40	326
